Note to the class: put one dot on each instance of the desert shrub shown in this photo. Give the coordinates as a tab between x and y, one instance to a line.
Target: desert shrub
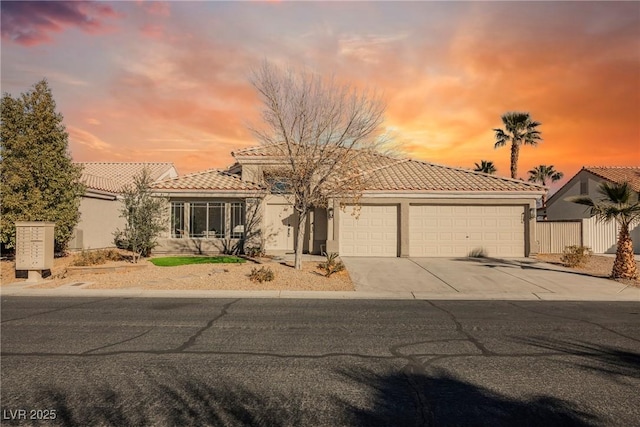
574	255
101	256
254	252
263	274
331	265
478	253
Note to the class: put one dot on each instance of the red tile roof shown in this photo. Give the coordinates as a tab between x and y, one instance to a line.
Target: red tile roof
114	176
618	174
211	179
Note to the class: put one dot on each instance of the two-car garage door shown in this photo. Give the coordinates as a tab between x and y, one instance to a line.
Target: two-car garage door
459	231
435	231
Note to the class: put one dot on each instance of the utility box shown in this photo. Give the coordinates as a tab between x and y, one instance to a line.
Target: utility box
34	247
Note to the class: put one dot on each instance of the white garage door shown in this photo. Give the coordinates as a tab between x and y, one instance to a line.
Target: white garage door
458	231
374	233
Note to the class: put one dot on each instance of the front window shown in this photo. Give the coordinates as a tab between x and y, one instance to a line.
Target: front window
237	220
216	220
198	220
177	219
207	220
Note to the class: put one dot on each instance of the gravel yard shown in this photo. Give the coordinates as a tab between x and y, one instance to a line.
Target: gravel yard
596	265
190	277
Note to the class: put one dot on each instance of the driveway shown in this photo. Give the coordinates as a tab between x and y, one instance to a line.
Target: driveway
489	278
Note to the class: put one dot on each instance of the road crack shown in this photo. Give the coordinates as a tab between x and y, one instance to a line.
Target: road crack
192	339
460	329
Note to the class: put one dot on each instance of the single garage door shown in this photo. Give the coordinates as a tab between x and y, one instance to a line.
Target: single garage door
373	233
458	231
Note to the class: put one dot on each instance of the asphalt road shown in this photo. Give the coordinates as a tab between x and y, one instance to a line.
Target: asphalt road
143	361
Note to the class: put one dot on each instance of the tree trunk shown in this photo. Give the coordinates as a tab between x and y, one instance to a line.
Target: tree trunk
515	150
299	242
624	267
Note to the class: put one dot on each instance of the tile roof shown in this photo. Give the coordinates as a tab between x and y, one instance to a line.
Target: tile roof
618	174
100	183
414	175
386	173
260	151
114	176
212	179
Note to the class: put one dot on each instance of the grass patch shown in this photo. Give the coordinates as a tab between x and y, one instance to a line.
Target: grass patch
174	261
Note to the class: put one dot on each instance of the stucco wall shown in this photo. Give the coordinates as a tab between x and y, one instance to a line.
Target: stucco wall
99	219
559	209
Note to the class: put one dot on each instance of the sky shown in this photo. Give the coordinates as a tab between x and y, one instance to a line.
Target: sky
169	81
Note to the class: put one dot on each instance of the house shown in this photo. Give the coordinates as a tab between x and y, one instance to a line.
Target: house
600	237
408	208
101	203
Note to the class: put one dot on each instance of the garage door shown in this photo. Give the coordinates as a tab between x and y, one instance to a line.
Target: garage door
458	231
373	233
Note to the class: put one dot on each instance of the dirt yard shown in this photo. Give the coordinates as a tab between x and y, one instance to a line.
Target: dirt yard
596	265
189	277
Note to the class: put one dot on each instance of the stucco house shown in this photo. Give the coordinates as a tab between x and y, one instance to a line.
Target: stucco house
408	208
601	237
100	205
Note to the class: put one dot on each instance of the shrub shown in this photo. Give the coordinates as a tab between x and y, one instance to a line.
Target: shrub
331	265
87	258
263	274
254	252
574	255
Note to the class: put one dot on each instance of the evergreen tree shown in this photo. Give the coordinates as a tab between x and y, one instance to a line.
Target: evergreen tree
38	180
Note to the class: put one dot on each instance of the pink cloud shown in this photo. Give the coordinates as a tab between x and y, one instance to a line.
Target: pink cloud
31	23
162	8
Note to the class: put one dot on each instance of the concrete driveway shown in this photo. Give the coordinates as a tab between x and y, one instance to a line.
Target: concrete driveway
480	278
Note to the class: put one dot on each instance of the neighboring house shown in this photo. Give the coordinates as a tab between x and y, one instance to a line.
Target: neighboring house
100	205
409	208
600	237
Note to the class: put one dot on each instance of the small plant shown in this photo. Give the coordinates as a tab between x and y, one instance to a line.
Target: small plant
254	252
574	256
101	256
331	265
263	274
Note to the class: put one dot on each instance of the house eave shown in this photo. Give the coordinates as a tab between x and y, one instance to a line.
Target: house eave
210	193
455	194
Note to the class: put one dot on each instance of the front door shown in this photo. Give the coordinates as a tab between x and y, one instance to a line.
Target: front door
281	222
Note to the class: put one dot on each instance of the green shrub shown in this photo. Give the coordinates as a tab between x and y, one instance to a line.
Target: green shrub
574	256
331	265
87	258
263	274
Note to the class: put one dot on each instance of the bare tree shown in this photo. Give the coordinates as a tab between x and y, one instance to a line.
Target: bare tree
321	130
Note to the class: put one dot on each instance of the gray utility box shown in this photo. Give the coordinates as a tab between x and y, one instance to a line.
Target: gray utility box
34	247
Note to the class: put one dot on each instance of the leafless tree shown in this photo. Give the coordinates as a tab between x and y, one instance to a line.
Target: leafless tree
322	130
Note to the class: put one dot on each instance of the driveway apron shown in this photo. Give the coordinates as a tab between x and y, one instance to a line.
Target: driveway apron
393	275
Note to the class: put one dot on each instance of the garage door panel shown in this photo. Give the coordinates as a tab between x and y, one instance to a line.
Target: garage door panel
373	233
461	230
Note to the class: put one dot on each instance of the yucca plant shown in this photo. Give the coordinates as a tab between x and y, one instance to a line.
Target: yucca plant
620	204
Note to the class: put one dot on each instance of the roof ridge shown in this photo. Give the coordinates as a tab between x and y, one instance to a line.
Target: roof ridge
611	167
126	163
254	148
470	171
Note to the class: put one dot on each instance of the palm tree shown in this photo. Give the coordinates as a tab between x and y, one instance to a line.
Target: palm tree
619	203
519	129
541	174
486	166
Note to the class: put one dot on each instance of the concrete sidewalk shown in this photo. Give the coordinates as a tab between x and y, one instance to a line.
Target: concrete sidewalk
408	278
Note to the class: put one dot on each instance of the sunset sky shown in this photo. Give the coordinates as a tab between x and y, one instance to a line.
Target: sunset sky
168	81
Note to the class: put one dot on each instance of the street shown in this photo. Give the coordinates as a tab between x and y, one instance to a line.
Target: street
169	362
